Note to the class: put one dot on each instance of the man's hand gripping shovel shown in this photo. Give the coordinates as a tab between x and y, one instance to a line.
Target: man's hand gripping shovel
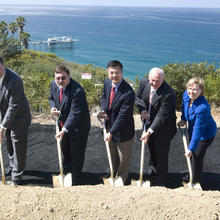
60	180
111	180
141	182
190	184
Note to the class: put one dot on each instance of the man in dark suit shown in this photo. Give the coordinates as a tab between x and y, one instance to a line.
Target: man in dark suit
68	100
15	119
117	103
156	102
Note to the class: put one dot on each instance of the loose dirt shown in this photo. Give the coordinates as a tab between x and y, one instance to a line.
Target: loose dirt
92	200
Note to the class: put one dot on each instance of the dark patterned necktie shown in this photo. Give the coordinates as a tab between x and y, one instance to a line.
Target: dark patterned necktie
60	99
112	95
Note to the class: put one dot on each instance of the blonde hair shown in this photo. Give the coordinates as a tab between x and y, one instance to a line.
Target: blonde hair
196	80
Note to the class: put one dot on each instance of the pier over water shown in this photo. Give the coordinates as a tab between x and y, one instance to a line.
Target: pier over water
56	42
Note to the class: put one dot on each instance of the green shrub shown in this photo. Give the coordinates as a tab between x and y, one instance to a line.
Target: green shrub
178	74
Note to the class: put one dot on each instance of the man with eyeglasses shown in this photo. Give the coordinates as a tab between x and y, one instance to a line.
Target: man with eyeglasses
68	102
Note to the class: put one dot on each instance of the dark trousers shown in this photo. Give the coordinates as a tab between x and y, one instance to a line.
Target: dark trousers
198	157
159	151
73	153
17	149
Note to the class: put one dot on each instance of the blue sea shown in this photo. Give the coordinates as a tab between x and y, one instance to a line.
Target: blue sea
140	37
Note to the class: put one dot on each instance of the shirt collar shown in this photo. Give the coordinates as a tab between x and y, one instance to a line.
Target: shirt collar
116	85
153	90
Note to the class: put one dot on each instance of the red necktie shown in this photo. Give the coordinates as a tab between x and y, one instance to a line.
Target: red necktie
112	95
61	95
60	99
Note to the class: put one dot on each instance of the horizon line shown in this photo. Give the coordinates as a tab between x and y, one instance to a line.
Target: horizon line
191	7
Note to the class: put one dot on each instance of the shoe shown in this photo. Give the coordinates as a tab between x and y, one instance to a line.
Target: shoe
152	171
185	179
17	183
161	184
8	172
164	182
75	180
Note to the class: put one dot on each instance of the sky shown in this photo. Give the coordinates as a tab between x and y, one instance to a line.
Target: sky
147	3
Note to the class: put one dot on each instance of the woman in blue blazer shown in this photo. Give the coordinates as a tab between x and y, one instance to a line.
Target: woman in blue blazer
201	126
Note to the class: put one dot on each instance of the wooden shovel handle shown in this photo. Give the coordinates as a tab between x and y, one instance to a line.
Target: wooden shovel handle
2	164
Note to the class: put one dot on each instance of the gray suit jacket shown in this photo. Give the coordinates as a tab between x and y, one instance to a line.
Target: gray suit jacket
14	106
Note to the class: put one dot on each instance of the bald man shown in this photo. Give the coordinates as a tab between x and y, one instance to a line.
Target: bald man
156	102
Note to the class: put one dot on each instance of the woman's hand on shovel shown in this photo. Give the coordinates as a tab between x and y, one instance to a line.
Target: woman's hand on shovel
188	153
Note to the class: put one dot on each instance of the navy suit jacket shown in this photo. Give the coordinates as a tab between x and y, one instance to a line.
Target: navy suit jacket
163	114
120	115
74	108
201	124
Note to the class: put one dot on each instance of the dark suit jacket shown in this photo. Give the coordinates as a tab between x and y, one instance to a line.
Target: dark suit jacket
163	116
120	115
201	124
14	106
74	108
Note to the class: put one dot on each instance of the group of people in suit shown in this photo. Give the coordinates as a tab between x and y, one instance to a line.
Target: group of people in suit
155	100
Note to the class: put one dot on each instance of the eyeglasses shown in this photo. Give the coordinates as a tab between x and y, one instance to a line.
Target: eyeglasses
193	89
60	78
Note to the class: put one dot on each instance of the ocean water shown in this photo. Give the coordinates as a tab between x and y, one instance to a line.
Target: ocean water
141	38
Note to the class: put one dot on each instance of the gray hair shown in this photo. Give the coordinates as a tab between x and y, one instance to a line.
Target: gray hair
157	70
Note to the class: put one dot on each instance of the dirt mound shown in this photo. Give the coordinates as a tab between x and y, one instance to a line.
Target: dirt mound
92	200
102	202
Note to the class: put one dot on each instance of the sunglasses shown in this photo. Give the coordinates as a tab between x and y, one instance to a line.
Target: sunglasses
60	78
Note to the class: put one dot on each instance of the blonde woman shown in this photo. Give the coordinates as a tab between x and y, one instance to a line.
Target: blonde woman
201	126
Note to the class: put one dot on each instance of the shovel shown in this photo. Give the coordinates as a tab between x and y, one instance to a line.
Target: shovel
190	184
141	182
111	180
3	181
61	180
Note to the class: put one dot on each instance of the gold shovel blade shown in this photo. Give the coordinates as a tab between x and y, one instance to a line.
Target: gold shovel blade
196	186
6	183
62	180
140	183
113	182
118	181
108	181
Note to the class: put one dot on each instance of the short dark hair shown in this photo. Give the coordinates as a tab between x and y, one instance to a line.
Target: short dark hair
62	68
115	63
1	60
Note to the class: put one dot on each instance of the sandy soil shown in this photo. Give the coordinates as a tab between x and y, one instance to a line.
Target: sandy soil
38	200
